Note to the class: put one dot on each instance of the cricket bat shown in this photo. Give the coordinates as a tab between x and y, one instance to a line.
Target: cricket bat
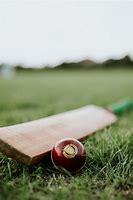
30	142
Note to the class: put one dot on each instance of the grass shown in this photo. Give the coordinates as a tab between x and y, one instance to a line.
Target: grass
107	174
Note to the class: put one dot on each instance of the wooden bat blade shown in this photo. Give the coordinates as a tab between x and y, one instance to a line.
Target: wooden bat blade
29	142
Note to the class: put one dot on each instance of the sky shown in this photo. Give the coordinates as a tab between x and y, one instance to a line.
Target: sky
49	32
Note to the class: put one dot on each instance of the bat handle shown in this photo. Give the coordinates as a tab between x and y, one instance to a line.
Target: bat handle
122	106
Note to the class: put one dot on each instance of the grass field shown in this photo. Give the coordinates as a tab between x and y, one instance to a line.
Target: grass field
107	174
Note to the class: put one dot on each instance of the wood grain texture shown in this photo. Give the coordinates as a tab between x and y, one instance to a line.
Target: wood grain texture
29	142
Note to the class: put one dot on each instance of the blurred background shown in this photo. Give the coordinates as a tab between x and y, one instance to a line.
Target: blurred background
60	55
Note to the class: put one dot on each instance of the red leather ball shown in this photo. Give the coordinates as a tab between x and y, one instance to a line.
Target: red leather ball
68	154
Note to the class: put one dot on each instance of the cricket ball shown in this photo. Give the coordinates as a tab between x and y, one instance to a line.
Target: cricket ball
68	154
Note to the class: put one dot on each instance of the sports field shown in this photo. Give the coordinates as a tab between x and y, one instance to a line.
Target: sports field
107	174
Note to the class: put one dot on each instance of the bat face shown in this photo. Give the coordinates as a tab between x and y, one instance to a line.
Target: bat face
30	142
